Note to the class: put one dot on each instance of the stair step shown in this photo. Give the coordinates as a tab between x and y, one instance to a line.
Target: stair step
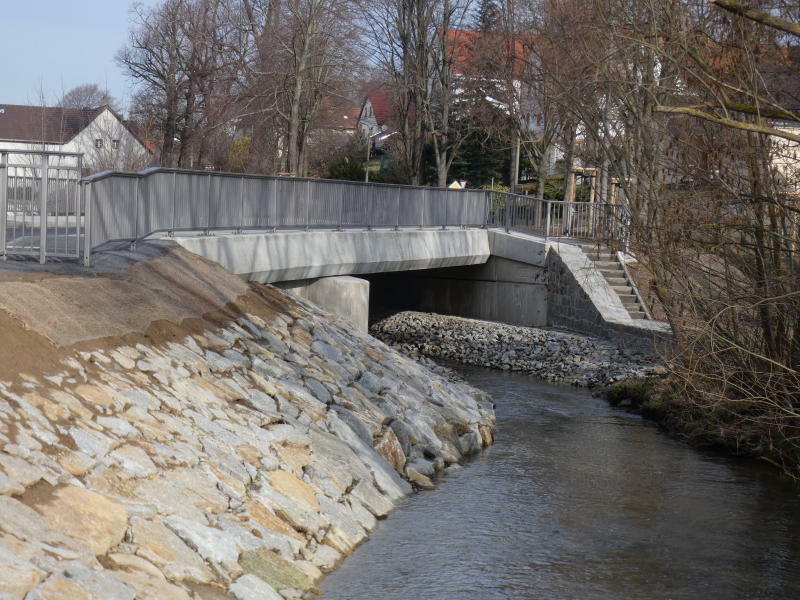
612	272
629	301
637	314
617	281
607	264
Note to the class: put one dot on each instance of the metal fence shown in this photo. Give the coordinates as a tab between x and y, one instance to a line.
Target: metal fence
40	204
594	221
131	206
47	210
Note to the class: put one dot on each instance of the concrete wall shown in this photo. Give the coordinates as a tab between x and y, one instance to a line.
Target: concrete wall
580	299
344	296
476	273
290	256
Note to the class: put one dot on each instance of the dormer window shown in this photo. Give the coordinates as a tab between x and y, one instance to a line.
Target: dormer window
115	144
98	143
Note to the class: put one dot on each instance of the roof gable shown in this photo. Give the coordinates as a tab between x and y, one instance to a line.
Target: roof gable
382	104
41	124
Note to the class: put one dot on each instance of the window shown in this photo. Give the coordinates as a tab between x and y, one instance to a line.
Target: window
115	144
98	143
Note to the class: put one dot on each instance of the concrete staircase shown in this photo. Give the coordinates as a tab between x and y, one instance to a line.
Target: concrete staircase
607	263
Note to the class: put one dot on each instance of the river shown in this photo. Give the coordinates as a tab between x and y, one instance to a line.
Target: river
577	500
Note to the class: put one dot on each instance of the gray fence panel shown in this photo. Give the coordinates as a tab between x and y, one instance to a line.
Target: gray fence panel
192	196
355	205
156	210
411	205
436	207
113	210
225	202
291	203
259	203
382	207
324	198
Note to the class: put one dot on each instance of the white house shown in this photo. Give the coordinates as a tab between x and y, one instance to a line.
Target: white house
100	135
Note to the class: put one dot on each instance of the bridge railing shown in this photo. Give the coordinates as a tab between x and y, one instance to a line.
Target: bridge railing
594	221
121	206
132	206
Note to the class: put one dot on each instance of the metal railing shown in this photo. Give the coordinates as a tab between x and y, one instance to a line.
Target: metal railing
47	210
40	204
595	221
132	206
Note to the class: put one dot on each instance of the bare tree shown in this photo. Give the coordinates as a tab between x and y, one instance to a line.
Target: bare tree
88	95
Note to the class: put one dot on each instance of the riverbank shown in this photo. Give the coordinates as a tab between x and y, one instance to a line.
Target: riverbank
169	431
579	500
719	427
551	355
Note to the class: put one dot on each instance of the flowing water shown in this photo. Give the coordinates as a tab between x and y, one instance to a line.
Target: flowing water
577	500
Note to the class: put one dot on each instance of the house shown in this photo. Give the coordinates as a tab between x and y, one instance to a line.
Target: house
377	114
100	135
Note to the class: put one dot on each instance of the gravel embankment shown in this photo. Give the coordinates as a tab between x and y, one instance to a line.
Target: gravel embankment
548	354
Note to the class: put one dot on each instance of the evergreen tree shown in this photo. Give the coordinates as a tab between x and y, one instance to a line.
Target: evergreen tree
487	15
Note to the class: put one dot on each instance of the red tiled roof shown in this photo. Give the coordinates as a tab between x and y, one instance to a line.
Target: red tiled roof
382	105
54	125
473	50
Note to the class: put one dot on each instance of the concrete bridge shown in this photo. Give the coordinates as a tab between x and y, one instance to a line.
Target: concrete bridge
342	244
489	274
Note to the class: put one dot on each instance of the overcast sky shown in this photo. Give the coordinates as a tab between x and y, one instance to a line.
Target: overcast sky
54	45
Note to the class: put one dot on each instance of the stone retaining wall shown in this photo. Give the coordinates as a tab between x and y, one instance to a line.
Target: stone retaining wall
238	456
580	299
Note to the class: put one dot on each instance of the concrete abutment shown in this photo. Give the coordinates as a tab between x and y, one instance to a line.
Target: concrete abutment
475	273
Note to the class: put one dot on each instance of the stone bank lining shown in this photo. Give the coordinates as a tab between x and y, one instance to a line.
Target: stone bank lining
241	463
548	354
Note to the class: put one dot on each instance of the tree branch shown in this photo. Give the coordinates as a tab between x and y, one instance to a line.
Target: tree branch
759	16
728	122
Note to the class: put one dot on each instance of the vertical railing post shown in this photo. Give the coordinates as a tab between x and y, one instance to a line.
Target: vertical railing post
275	204
340	219
423	195
397	210
507	207
43	209
87	223
370	208
241	205
174	191
446	202
137	199
78	203
548	207
486	201
208	204
308	200
3	202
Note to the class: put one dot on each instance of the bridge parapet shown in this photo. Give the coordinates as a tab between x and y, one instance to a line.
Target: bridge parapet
132	206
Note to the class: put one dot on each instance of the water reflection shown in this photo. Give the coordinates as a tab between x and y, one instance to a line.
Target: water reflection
577	500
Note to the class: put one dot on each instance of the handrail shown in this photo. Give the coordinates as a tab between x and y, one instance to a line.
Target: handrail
600	221
154	170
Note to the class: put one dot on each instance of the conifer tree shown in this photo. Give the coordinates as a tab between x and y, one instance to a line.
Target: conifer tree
487	15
